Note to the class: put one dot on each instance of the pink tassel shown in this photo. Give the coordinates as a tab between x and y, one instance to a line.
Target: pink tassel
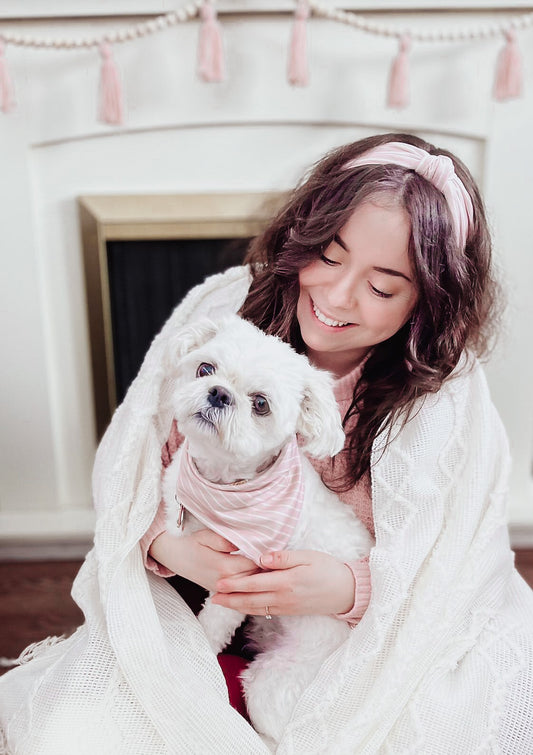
509	78
398	94
6	88
111	108
298	69
210	50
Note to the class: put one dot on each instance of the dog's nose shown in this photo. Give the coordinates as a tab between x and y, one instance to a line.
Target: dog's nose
219	397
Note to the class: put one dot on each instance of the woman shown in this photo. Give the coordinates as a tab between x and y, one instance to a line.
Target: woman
378	268
376	248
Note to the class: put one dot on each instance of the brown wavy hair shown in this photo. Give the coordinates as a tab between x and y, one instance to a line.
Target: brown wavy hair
457	293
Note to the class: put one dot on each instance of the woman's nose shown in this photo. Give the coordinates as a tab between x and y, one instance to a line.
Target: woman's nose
344	293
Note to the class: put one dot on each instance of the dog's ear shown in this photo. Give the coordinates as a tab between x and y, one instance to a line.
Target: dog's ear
190	337
320	423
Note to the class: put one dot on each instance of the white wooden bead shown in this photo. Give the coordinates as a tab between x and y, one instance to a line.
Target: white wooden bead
142	30
190	11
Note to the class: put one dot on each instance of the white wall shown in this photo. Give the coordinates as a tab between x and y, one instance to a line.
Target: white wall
252	132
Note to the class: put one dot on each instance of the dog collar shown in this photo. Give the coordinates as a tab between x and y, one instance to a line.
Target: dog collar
258	515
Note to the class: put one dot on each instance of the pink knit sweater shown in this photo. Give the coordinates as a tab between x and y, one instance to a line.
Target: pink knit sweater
358	497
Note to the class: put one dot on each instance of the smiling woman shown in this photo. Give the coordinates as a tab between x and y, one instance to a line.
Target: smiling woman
360	291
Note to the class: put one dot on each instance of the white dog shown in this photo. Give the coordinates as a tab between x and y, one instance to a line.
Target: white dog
242	398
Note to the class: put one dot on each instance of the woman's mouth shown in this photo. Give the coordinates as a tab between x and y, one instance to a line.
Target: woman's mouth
327	320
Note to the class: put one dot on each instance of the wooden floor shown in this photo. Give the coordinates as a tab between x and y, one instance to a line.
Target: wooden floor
36	600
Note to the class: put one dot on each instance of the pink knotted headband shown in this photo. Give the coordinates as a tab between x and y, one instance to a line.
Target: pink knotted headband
437	169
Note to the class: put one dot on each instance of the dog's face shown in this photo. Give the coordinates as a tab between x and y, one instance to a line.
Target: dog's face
243	394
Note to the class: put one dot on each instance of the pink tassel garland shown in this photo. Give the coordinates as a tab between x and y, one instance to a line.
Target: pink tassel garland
398	93
298	69
111	108
509	78
211	66
7	98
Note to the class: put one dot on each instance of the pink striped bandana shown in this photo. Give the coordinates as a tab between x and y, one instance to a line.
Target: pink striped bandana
257	515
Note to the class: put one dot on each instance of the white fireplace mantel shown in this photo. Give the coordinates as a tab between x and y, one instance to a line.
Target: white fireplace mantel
253	133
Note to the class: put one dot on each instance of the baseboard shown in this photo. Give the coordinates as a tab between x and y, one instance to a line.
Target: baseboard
57	550
70	548
521	536
62	535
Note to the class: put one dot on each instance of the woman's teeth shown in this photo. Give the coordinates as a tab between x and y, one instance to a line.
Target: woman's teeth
326	320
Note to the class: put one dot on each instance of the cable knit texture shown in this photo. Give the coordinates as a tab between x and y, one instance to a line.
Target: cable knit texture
441	662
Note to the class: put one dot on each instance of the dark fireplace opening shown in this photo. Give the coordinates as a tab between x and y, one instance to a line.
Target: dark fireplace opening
147	279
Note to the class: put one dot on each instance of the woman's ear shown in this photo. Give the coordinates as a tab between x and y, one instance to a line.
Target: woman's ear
320	424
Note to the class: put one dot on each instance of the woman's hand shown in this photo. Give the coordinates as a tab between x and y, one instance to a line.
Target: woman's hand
297	583
202	557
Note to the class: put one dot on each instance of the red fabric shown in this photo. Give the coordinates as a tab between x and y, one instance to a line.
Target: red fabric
232	666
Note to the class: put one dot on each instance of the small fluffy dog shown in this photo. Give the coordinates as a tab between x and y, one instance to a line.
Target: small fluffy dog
242	398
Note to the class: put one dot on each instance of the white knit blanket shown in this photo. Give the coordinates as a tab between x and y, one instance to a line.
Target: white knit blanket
442	661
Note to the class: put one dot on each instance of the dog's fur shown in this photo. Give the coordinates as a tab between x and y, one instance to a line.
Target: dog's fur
233	445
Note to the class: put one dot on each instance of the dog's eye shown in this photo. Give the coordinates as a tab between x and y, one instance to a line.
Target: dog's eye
205	369
260	404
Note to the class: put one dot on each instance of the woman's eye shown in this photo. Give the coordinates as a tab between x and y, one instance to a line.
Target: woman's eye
327	260
377	292
205	369
260	405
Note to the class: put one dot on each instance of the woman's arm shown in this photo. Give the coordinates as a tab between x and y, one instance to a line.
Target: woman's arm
297	583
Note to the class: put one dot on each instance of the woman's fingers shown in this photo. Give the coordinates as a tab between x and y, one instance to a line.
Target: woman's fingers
272	580
298	582
253	604
250	594
259	582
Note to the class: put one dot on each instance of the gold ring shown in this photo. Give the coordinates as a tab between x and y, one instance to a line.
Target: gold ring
267	613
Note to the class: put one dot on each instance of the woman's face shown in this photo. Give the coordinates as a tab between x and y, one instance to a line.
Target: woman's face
361	290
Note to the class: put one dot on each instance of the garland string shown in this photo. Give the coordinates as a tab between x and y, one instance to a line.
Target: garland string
508	79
